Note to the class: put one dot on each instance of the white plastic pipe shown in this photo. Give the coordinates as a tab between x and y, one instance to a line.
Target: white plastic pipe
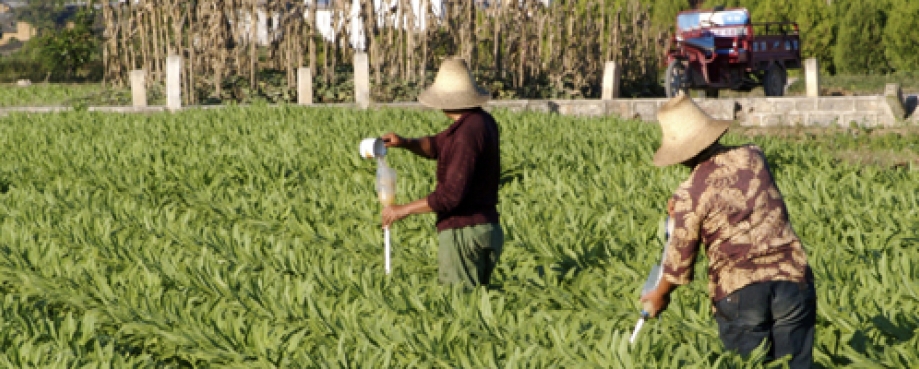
386	250
641	322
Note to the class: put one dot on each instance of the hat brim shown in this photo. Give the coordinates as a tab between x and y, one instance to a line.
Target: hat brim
458	100
672	152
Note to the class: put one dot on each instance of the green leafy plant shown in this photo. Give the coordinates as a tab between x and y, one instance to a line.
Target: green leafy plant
250	237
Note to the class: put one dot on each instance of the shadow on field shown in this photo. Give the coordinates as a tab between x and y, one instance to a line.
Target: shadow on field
910	105
902	331
568	266
515	172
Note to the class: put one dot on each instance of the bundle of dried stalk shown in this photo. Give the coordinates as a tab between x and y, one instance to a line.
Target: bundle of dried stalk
517	49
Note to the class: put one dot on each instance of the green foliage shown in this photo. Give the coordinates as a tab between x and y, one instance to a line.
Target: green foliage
69	49
901	41
664	12
47	94
59	53
773	11
818	31
249	237
860	46
841	84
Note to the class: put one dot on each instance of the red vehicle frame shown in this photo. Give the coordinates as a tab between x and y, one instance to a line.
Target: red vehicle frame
718	49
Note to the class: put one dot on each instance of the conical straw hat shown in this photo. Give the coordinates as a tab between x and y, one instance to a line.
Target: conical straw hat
686	131
453	88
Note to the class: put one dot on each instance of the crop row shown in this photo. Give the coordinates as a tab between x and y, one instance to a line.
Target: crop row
250	237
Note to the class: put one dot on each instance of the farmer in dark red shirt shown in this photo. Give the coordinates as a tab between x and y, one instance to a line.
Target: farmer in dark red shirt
468	169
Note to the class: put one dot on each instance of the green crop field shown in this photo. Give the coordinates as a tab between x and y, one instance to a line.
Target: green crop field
47	94
250	238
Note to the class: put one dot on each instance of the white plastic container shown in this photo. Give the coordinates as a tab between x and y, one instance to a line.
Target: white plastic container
386	183
372	148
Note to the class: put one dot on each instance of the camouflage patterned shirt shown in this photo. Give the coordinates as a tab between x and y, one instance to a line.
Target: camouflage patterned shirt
731	204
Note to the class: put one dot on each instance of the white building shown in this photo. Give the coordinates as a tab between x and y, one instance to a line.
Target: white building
328	23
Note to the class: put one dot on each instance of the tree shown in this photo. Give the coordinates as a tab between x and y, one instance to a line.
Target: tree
860	44
67	50
41	14
773	11
818	31
663	12
749	4
901	40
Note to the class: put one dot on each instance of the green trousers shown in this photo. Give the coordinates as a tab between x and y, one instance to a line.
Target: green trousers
468	255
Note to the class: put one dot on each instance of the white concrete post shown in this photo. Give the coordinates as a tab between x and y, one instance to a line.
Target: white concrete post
812	77
611	77
304	86
138	88
361	80
174	82
894	96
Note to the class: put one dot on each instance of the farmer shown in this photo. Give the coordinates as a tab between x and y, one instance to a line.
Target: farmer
468	169
760	283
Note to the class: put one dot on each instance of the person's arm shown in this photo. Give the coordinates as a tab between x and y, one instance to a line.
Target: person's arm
394	213
681	252
655	301
448	194
422	146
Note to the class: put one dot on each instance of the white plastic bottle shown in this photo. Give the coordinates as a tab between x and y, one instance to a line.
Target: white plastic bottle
386	183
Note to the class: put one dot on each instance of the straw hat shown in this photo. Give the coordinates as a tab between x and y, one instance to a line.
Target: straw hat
453	88
687	130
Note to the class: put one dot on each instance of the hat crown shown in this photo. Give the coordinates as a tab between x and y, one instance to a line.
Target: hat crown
454	75
680	119
454	88
686	130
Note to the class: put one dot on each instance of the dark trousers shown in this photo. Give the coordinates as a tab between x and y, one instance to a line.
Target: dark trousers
781	313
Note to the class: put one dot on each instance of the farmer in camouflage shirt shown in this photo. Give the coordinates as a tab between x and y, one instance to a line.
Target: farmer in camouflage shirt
759	281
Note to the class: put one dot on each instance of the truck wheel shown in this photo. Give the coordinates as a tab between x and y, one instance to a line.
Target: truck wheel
774	81
676	78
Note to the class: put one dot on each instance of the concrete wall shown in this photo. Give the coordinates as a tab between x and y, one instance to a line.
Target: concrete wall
866	111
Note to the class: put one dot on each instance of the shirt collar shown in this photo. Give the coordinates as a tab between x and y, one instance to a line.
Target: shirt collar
453	127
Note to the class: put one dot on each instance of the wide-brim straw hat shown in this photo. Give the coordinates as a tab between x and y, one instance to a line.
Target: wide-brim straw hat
686	131
454	88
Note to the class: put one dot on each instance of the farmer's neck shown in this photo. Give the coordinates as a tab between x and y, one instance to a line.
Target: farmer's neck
703	156
455	115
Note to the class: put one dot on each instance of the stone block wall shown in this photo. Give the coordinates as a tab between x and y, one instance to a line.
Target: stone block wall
866	111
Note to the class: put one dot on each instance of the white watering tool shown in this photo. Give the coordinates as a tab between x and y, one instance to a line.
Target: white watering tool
654	278
372	148
385	186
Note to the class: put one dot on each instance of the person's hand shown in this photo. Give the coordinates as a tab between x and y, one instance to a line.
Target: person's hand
392	214
655	302
393	140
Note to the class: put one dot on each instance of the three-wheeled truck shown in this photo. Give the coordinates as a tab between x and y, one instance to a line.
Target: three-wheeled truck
718	49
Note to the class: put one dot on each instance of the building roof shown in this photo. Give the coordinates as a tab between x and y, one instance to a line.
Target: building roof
7	23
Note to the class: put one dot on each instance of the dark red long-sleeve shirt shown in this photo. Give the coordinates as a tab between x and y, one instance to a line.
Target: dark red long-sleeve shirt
468	170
